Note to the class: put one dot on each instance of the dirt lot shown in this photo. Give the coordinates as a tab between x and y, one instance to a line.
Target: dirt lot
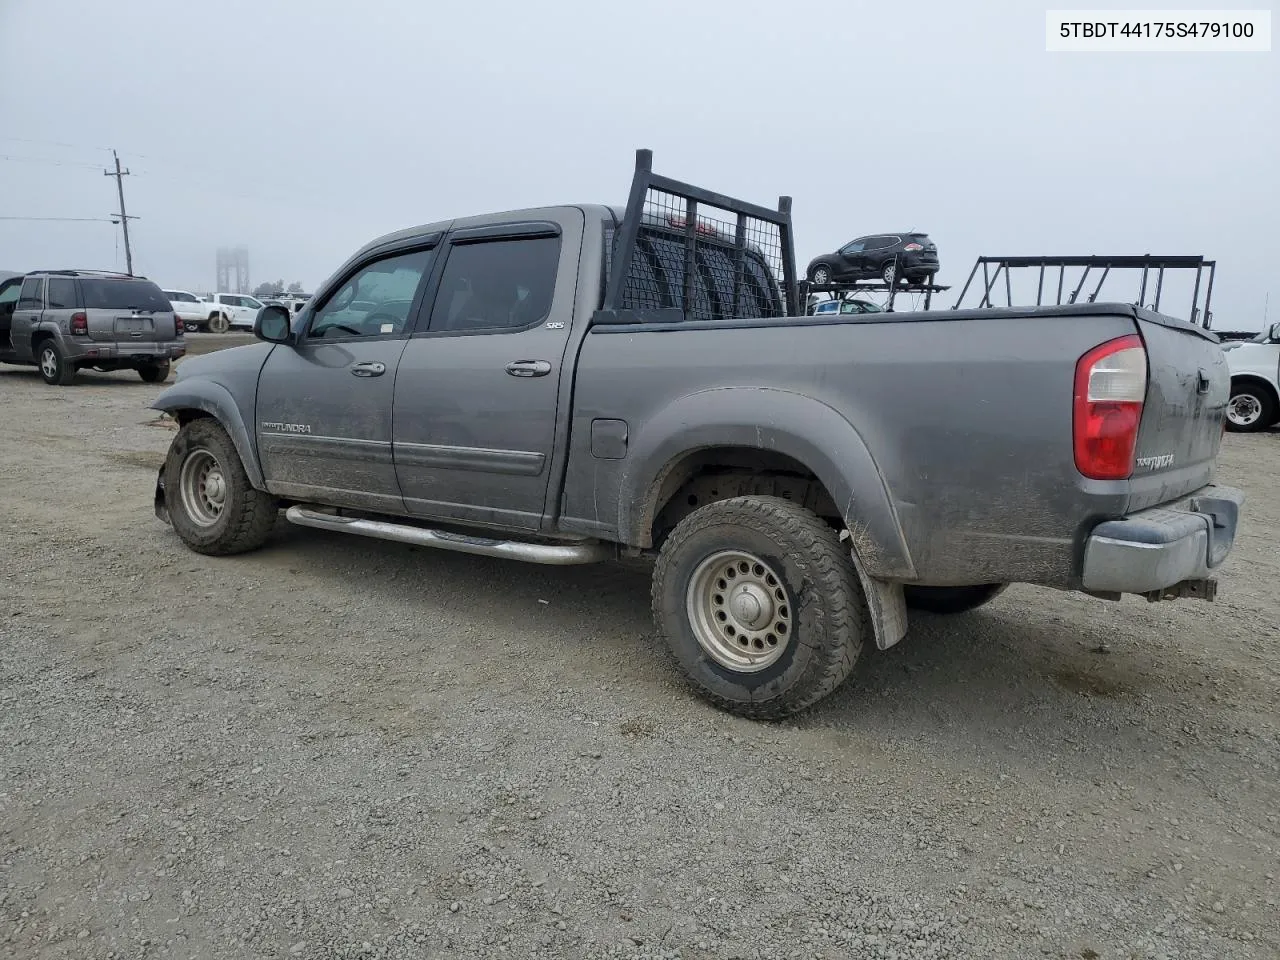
340	749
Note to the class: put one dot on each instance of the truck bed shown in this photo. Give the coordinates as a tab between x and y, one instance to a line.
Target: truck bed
959	421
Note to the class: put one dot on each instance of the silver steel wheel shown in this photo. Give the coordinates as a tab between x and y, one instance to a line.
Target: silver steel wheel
822	276
219	323
739	611
1244	409
203	488
49	362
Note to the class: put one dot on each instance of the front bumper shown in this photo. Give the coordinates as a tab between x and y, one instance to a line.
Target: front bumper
1154	550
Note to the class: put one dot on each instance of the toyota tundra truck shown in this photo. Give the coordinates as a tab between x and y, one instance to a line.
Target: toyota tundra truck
577	383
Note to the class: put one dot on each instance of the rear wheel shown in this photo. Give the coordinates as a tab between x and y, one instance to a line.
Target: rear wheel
154	372
760	605
54	366
218	323
951	599
207	493
1251	408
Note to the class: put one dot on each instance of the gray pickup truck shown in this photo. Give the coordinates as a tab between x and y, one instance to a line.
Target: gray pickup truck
572	384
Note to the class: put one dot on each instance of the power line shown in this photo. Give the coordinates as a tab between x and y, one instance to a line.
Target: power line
50	161
67	219
53	143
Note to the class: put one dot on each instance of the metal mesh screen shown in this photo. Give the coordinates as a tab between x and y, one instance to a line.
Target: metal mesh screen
727	267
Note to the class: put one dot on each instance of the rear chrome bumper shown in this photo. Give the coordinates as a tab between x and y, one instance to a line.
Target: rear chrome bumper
126	352
1154	550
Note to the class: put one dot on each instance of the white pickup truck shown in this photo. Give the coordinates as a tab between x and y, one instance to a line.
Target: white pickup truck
190	309
232	310
1255	381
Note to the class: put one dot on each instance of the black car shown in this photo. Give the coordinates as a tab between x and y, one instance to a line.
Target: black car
880	256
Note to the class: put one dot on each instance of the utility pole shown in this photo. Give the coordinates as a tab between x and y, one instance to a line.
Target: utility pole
124	218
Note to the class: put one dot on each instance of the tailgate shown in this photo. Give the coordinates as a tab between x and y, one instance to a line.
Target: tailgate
142	327
1182	420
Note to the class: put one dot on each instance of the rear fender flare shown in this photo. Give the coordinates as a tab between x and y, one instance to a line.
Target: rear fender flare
215	400
40	331
800	427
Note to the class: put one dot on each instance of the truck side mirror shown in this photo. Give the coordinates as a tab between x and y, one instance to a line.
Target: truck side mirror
272	324
1275	332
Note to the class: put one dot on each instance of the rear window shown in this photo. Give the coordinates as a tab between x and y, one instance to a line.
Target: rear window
123	295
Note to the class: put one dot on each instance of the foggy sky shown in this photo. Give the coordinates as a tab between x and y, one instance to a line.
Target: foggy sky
305	129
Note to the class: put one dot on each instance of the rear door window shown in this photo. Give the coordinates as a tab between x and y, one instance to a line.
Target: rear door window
495	285
123	295
32	297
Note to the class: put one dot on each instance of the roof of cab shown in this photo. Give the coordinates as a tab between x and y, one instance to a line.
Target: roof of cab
488	219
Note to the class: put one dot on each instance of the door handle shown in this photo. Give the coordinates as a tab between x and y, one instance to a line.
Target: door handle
370	368
528	368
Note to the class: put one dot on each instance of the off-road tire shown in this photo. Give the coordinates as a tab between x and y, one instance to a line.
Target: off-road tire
154	372
951	599
219	323
247	514
63	370
830	612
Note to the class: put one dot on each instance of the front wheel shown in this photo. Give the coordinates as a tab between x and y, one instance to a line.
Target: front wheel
887	273
821	275
951	599
1250	409
207	493
218	323
760	605
154	372
54	366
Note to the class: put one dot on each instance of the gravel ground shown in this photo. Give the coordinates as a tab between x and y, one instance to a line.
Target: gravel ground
339	748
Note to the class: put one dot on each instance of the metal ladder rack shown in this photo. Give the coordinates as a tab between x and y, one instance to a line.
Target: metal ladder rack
1147	264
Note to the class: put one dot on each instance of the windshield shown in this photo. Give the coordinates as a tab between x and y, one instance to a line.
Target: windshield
123	295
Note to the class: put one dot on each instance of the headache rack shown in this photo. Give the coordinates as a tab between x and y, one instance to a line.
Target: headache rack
1152	271
685	253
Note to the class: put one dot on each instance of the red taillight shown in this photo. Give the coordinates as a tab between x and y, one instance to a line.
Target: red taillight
79	324
178	326
1111	385
913	247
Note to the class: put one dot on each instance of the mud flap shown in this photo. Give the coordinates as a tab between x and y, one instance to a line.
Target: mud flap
886	603
162	510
